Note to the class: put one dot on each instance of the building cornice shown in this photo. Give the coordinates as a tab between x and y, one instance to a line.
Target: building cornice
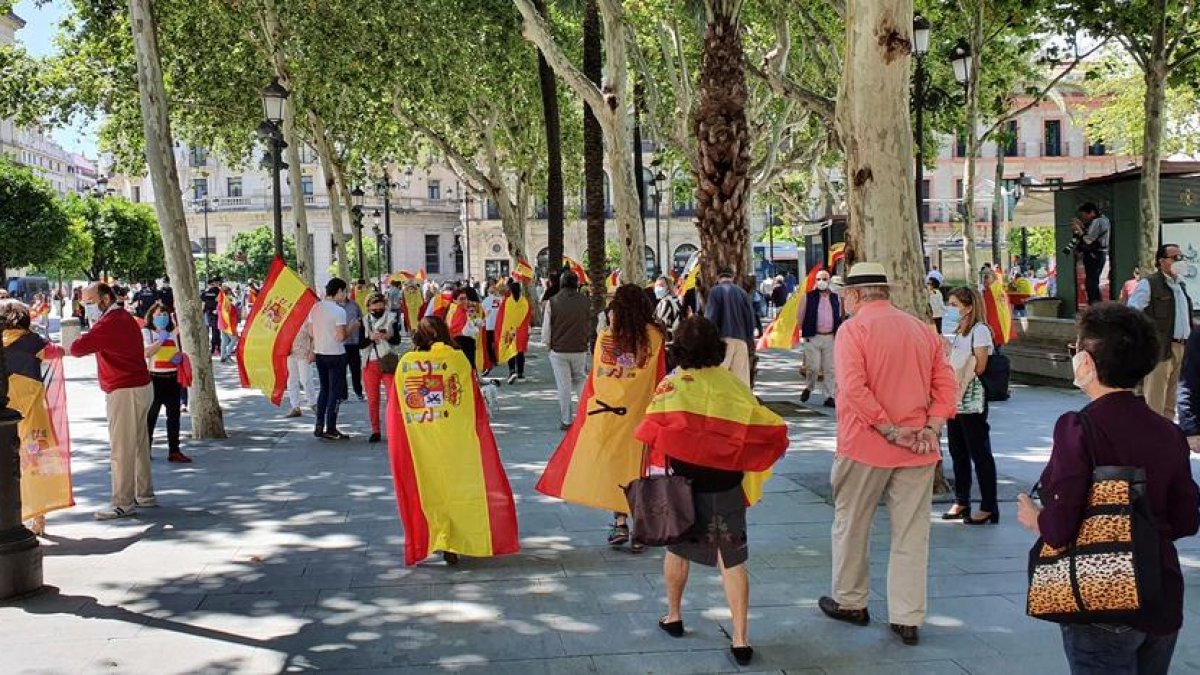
17	21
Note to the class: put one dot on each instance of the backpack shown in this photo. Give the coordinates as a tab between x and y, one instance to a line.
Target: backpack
995	377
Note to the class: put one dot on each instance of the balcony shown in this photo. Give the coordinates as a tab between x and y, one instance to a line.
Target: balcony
261	201
683	210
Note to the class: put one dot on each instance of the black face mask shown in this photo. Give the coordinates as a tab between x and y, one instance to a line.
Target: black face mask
377	315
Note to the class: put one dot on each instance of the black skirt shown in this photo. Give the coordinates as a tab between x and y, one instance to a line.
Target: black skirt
720	527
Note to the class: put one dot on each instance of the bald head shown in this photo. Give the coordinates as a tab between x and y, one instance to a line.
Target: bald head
100	294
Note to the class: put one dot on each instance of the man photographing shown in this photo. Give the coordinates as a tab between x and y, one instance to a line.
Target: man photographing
1092	229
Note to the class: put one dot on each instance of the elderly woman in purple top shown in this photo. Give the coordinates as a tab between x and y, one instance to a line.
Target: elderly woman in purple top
1117	348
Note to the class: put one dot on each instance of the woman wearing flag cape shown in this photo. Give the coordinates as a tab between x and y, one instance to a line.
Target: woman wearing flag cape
451	488
599	453
706	425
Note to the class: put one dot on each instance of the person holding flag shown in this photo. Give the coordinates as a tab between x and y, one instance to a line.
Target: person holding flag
412	301
163	357
599	453
512	331
705	424
227	323
523	271
451	489
277	334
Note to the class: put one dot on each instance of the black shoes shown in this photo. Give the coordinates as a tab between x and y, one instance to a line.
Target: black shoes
804	395
962	514
909	635
991	519
451	559
672	628
375	438
742	655
830	403
858	617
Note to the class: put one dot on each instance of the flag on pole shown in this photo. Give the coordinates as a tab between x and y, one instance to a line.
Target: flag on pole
810	281
784	331
523	271
262	353
613	281
999	312
451	489
512	328
403	276
836	253
599	453
227	314
710	418
421	275
574	266
37	390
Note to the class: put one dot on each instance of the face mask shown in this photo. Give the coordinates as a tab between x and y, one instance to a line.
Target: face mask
1077	362
822	285
1182	269
377	314
92	310
660	292
161	321
950	319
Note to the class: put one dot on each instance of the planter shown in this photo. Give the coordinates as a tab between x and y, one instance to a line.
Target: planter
1044	308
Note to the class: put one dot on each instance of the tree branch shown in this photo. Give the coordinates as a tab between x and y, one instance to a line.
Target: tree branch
537	31
819	105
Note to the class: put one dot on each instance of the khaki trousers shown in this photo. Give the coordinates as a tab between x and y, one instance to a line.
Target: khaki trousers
1161	385
818	358
130	440
908	494
737	359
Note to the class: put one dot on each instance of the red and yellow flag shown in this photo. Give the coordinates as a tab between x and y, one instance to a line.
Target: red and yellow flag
421	275
999	312
451	488
284	304
403	276
691	273
836	253
412	301
456	321
523	271
810	281
512	328
613	281
37	390
599	453
227	314
710	418
784	331
577	268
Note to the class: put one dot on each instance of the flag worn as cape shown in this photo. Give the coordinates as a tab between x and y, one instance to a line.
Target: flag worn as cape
599	453
710	418
456	319
784	331
227	314
451	487
412	301
574	266
360	298
438	305
37	390
999	312
522	271
512	328
262	353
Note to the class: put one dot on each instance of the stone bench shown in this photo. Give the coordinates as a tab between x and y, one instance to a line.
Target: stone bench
1038	351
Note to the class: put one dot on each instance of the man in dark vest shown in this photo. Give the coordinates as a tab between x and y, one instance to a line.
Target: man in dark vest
820	316
567	328
1163	297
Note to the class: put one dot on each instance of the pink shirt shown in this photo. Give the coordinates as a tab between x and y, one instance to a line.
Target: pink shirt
824	315
890	370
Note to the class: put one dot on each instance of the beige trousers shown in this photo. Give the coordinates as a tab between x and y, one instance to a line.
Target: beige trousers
737	359
908	494
818	358
130	440
1161	385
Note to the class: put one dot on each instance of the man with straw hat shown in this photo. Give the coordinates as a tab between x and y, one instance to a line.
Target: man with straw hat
895	391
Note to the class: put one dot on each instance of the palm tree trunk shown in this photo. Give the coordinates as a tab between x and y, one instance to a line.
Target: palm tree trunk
723	141
593	160
554	176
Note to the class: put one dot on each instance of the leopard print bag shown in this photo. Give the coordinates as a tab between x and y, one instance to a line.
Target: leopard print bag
1110	573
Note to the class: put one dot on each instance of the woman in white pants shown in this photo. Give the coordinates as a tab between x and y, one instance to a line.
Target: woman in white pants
300	372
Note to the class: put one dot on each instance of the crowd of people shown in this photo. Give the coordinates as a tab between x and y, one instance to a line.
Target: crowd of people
894	384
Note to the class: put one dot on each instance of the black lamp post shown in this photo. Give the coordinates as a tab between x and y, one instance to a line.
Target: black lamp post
204	206
20	553
960	60
1023	182
659	180
375	220
357	195
274	98
920	48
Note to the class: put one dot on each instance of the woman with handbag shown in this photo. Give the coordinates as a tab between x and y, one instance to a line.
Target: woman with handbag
705	425
163	356
968	431
379	362
1116	434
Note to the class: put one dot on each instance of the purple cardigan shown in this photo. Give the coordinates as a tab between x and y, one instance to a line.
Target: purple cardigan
1128	433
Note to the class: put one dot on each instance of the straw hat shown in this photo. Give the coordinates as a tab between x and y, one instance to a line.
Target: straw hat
866	274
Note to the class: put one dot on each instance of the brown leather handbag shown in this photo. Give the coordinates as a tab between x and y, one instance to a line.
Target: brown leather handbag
661	508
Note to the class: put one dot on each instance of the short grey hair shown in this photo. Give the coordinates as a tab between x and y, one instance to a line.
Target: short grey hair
13	314
871	293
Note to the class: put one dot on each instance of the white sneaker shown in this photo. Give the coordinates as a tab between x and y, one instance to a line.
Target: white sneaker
116	512
148	502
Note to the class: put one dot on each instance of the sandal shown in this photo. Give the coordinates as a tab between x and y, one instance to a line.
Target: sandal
618	534
636	546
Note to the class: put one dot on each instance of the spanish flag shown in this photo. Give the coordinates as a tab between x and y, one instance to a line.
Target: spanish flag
836	253
451	487
784	331
810	281
599	453
227	314
574	266
691	273
512	328
412	300
37	390
999	313
421	275
708	417
456	321
613	281
523	271
284	304
403	276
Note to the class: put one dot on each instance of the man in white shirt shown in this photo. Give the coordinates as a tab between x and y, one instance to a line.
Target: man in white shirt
1164	298
327	321
491	310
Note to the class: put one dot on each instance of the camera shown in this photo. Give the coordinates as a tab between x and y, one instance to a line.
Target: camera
1073	245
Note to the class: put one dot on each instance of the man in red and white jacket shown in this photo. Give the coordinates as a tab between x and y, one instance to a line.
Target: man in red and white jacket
116	341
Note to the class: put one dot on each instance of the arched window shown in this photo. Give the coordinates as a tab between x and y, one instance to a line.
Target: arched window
543	263
683	253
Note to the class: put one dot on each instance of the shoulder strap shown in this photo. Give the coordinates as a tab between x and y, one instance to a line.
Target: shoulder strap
1089	436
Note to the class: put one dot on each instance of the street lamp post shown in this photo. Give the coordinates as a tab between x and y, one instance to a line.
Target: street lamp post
20	552
771	237
921	28
960	61
204	206
357	194
274	97
378	243
659	179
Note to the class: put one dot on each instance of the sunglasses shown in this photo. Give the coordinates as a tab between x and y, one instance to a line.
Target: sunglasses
1177	257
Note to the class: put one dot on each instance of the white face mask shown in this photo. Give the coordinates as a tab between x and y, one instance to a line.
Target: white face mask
92	311
1076	363
822	285
660	292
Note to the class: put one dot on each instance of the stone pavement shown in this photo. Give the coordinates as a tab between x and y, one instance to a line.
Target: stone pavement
276	552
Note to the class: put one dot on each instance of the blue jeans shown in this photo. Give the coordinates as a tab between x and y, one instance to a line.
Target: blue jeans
331	373
1101	649
228	346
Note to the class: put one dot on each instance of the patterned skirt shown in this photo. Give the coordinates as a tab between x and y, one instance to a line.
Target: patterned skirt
720	527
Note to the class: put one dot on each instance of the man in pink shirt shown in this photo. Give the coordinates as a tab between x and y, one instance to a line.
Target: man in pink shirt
895	392
820	315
